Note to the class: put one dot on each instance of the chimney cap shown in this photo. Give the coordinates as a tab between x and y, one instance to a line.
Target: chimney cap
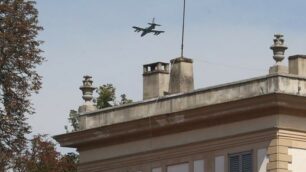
150	64
157	67
181	59
297	56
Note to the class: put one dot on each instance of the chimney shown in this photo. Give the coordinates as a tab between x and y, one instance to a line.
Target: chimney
297	65
87	90
181	75
155	80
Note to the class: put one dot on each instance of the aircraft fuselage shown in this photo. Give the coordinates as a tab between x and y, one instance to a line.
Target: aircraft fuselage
147	30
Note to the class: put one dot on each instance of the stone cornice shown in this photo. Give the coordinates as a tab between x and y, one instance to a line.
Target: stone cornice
201	117
287	84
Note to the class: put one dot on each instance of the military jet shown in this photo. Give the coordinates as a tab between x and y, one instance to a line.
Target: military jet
149	29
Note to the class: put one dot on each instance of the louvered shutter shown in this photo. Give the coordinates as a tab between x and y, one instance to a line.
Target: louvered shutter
241	162
246	162
234	163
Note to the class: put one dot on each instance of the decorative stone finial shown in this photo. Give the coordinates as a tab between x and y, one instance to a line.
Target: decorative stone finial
278	48
87	88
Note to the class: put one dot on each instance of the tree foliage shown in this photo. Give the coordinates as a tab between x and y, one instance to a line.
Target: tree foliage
106	98
124	99
19	56
43	157
73	120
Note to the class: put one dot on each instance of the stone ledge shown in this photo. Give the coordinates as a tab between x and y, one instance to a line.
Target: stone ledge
297	56
288	84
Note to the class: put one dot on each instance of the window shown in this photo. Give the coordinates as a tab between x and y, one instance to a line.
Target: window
241	162
198	166
219	164
157	169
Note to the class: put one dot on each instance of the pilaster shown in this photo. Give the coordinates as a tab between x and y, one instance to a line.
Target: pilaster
278	155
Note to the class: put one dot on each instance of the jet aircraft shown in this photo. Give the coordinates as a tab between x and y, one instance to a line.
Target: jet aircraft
149	29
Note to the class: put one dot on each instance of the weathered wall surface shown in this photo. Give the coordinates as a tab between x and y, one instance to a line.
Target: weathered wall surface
155	85
287	84
179	139
181	76
203	156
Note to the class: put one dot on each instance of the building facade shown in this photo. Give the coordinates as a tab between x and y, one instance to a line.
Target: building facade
254	125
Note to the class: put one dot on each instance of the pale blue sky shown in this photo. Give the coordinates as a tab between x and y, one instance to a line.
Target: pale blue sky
228	39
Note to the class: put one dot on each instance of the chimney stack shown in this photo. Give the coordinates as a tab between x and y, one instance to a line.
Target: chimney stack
155	80
181	75
297	65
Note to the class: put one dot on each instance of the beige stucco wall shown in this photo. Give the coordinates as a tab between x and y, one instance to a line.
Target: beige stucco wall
214	159
179	139
281	150
287	150
198	135
298	160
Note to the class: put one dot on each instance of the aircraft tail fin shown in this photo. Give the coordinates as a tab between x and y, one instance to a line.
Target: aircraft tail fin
153	22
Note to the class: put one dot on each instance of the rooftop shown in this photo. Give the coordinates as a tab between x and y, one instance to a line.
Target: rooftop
274	83
172	100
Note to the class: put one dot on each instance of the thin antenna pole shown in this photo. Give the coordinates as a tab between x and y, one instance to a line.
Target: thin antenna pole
183	31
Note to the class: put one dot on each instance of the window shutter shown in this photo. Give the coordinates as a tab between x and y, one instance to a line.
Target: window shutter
234	163
240	162
247	162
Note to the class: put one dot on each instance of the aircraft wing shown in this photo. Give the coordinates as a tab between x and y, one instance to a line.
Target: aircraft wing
138	29
157	32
